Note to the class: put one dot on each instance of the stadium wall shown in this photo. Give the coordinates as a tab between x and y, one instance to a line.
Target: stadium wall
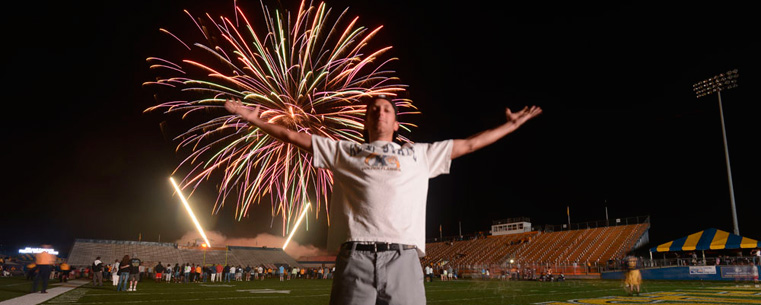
705	273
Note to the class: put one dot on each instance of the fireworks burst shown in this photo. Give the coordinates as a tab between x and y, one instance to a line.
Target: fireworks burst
305	71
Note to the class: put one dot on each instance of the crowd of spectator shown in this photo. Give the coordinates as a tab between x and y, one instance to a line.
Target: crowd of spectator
122	272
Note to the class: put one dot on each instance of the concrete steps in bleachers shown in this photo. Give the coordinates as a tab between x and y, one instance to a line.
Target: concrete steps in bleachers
84	252
569	246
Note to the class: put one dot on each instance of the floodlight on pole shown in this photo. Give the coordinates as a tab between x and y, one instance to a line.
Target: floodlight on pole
298	222
187	207
716	84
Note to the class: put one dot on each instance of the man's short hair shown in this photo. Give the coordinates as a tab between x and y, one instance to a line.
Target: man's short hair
367	100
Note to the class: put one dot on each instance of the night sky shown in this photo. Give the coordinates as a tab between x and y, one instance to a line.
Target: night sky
621	129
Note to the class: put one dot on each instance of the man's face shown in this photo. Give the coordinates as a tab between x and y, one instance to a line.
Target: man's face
381	119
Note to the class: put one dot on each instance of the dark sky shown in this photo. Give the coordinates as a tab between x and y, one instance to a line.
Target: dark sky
621	126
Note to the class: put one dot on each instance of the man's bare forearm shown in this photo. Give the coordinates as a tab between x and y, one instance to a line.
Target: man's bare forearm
488	137
300	139
482	139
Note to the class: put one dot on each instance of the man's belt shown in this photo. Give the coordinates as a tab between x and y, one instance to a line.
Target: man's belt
377	246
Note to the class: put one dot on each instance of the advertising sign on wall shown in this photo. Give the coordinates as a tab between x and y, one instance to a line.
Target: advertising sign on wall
699	270
737	271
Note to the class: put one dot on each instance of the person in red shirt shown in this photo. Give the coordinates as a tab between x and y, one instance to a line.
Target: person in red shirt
219	272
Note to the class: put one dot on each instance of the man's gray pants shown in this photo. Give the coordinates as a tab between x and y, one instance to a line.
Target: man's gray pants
392	277
97	278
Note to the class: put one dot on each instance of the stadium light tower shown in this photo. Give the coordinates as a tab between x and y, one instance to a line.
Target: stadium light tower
716	84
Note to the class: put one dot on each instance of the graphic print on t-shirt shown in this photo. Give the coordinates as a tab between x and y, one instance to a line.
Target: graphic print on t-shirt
381	158
385	162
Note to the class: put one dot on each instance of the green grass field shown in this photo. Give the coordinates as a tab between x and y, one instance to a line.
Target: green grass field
274	292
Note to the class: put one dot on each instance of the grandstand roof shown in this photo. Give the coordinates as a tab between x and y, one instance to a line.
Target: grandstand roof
708	239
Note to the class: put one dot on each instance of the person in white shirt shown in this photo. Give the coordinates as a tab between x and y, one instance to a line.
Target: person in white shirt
168	273
231	275
142	272
115	272
378	198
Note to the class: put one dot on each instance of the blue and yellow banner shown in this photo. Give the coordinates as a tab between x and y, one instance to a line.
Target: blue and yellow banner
709	239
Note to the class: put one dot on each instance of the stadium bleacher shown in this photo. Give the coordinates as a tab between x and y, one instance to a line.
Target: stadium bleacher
84	251
570	251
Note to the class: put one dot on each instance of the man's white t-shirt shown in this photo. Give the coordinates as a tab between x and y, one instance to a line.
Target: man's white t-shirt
380	188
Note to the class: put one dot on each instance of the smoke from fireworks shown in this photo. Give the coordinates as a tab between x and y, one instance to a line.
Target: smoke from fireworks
305	71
